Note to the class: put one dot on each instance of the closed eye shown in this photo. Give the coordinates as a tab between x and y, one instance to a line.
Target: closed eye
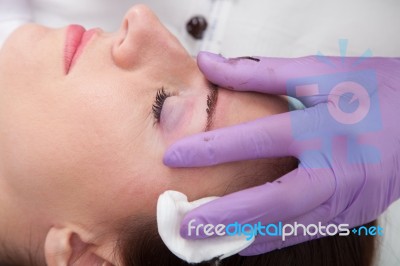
159	100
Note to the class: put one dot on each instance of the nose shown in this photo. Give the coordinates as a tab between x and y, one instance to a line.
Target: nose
139	33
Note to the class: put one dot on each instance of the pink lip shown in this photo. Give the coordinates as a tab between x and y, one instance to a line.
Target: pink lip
77	38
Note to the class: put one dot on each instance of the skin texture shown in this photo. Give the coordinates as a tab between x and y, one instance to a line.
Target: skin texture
81	151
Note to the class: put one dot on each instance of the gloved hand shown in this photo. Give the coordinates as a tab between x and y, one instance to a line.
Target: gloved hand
347	141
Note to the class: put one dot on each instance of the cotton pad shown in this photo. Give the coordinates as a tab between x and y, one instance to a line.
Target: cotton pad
171	208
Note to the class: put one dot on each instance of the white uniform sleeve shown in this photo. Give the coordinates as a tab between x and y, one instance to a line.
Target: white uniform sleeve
13	13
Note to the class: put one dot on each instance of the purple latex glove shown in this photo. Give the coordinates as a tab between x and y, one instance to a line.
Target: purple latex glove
347	141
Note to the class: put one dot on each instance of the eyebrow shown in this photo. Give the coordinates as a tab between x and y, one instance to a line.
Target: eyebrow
212	99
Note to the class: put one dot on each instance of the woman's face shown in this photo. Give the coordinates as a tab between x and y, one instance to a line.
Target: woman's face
84	143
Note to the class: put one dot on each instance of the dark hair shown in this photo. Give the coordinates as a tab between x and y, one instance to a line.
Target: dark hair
141	245
13	257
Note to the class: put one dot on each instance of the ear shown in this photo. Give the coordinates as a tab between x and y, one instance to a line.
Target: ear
65	246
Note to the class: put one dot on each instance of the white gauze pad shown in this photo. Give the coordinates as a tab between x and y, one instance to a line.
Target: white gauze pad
171	208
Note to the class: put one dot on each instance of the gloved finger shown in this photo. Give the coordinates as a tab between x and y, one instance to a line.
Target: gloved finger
292	195
257	249
316	220
317	224
271	136
262	74
265	137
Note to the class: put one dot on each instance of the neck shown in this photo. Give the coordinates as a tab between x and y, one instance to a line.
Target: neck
18	230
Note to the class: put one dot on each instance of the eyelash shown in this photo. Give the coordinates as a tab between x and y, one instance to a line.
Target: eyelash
161	96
